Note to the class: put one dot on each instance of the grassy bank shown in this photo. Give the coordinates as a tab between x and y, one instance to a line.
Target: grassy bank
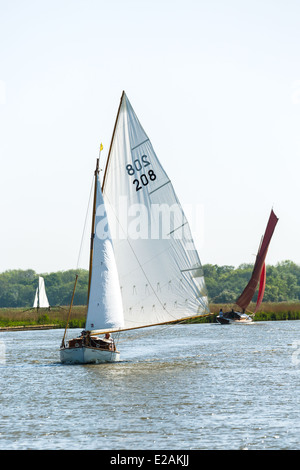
269	311
56	316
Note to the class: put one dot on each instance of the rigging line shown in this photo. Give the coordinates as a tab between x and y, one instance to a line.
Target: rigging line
156	189
177	228
138	145
85	224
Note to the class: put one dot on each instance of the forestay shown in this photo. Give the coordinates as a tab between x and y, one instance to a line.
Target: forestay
160	272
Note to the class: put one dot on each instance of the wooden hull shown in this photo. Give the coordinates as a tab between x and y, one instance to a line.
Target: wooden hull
87	355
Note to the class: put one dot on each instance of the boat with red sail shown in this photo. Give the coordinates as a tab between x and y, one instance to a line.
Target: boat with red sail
258	276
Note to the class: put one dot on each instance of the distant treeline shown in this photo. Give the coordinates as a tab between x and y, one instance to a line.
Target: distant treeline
17	287
224	285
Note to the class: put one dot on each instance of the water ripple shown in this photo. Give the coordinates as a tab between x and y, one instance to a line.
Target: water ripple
225	387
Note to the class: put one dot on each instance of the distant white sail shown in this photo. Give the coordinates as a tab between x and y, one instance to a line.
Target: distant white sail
160	272
35	302
105	310
41	299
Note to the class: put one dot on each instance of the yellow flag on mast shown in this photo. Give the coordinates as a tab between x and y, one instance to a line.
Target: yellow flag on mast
101	147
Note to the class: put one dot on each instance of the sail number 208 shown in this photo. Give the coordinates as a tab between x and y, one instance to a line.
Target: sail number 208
136	168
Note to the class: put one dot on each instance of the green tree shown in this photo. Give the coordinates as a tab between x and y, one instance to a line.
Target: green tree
224	284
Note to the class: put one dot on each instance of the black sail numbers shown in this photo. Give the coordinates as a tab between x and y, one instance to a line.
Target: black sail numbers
142	174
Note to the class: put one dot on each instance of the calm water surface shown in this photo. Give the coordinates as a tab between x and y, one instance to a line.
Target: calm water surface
186	387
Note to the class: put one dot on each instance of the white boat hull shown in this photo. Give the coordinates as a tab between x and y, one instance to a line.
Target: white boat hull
87	355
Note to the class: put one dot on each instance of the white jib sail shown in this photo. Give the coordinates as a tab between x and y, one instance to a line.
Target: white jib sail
105	310
160	272
35	302
41	299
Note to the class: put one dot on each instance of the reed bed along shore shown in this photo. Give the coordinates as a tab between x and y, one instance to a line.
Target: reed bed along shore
269	311
56	317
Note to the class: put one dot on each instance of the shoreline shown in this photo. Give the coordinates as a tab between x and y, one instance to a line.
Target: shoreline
20	319
29	327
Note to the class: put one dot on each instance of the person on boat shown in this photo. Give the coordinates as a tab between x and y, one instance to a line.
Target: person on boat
109	339
86	337
221	313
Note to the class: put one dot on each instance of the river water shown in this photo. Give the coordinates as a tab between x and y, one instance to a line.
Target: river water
192	387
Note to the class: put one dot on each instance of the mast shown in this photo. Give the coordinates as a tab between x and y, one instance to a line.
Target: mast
38	296
112	139
91	246
93	226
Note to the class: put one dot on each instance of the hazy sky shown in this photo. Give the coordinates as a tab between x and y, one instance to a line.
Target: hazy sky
216	86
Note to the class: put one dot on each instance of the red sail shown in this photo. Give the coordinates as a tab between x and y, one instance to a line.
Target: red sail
245	298
262	285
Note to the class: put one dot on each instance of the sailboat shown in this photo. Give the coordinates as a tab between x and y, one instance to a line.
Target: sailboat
258	276
41	299
105	311
144	267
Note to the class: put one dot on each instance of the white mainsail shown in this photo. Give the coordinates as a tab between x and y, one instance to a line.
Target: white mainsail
105	309
160	272
41	299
